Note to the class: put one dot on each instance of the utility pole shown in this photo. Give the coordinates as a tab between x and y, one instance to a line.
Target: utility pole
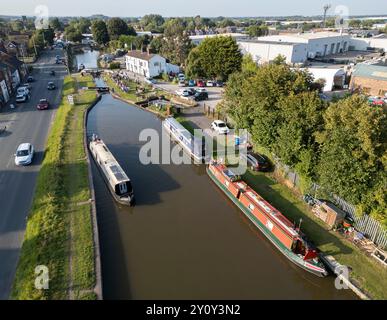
326	8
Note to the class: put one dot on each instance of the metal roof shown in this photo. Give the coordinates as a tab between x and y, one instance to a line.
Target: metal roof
371	71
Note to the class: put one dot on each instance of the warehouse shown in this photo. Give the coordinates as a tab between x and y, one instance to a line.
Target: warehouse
266	51
318	44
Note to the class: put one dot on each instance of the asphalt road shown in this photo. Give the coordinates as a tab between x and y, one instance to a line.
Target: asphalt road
24	124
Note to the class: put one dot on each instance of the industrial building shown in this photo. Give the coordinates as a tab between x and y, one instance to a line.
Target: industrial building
370	79
266	51
198	39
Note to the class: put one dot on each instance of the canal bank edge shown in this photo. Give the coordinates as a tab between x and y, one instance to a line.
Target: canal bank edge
97	254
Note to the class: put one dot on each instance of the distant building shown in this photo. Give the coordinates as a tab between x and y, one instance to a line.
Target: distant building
148	64
363	44
266	51
198	39
370	79
318	44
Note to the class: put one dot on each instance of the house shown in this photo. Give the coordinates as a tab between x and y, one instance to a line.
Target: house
5	84
370	79
318	44
148	64
266	51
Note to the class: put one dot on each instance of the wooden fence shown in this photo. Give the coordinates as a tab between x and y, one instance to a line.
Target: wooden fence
372	229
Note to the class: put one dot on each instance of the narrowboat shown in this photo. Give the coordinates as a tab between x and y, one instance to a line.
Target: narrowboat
275	226
194	146
114	176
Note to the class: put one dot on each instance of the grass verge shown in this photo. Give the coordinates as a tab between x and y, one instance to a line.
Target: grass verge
366	272
59	228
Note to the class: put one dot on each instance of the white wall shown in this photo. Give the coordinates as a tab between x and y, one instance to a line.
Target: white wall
151	68
263	52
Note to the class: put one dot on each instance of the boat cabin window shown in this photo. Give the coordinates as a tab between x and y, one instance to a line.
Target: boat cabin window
123	188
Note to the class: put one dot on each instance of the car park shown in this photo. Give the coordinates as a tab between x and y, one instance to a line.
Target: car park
43	104
256	162
51	86
201	90
200	83
219	83
191	83
210	83
220	127
182	83
24	154
183	93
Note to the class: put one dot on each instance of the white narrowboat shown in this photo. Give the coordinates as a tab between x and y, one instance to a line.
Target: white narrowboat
194	146
116	179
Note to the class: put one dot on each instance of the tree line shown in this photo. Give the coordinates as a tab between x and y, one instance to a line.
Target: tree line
340	145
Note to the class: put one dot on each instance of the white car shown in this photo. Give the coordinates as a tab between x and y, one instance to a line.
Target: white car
220	127
201	90
183	93
21	98
210	84
24	154
181	76
150	81
23	90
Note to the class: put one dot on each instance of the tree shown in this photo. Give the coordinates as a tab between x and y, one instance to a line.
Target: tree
117	27
219	58
257	31
56	24
353	153
156	44
100	32
152	22
176	44
73	34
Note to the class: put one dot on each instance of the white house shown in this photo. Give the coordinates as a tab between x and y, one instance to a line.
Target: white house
266	51
319	44
148	64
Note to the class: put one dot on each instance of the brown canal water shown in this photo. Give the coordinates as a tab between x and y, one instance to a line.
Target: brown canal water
184	239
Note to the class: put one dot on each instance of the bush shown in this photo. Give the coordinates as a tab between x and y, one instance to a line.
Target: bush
114	65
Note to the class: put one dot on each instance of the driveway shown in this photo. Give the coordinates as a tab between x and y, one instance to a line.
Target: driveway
24	124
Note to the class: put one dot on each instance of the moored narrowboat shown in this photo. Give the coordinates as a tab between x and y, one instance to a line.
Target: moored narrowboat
114	176
275	226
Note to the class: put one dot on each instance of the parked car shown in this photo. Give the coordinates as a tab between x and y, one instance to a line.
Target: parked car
200	83
181	76
24	154
201	96
30	79
26	85
23	90
256	162
191	91
210	83
201	90
43	104
191	83
220	127
20	98
183	93
182	83
219	83
51	86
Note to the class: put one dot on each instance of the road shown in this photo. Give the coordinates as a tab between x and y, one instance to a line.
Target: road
24	124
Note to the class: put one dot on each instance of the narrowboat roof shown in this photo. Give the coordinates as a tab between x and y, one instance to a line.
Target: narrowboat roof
273	213
105	156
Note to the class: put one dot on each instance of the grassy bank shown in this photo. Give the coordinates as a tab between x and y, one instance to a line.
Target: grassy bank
366	272
59	228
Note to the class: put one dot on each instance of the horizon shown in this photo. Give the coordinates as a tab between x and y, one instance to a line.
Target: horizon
212	9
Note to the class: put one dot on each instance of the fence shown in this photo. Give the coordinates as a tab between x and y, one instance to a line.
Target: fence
372	229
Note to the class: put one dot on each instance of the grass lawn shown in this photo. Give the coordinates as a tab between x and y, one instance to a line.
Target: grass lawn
370	275
59	228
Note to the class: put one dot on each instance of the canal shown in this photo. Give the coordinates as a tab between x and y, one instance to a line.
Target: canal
184	239
88	58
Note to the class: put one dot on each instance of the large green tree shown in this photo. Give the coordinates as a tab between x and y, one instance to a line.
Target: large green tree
100	32
152	22
176	43
216	57
117	27
353	160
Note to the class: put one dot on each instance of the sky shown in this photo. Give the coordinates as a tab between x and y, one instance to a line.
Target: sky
205	8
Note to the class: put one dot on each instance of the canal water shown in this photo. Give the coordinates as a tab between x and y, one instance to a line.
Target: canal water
184	239
88	59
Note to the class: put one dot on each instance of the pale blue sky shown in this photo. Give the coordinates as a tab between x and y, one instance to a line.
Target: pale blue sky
205	8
